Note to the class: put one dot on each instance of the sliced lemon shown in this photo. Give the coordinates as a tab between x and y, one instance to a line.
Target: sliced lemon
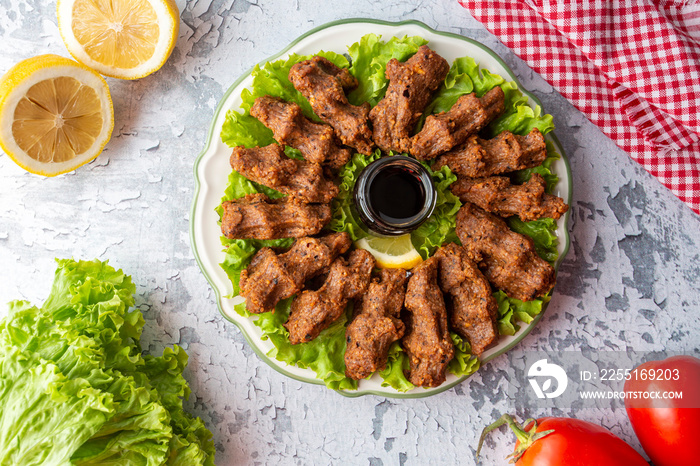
55	114
391	252
126	39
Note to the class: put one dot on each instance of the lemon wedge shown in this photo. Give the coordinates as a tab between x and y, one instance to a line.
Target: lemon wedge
55	114
126	39
391	252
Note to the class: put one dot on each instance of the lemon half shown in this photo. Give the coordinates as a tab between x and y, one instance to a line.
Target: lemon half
55	114
126	39
391	252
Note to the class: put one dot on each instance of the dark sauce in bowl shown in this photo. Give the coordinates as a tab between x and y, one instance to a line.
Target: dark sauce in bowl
394	195
397	195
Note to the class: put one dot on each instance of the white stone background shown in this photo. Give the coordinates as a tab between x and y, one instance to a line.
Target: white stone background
629	282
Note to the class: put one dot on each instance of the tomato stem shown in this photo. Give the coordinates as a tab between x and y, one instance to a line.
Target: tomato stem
525	437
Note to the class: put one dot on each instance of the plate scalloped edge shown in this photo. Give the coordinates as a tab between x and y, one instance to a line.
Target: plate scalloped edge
206	245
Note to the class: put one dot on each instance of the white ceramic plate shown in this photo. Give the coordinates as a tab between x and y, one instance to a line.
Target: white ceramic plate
212	168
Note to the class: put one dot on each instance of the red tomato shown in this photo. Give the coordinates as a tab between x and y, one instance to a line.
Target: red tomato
571	442
666	428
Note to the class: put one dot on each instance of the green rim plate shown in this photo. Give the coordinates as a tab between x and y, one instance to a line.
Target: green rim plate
211	171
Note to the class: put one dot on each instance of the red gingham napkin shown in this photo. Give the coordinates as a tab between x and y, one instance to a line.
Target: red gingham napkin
632	66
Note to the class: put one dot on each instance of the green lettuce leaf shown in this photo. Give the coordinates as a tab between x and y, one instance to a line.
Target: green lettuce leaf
239	252
191	442
464	77
325	354
551	179
239	186
45	416
542	232
519	117
464	363
369	58
439	228
140	424
393	374
93	396
240	128
511	310
343	215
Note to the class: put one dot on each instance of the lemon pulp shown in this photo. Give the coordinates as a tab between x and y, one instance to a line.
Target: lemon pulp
391	251
116	34
57	119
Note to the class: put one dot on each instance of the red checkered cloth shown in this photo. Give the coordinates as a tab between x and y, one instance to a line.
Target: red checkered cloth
632	66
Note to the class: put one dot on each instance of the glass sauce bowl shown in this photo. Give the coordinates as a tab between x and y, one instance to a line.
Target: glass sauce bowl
394	195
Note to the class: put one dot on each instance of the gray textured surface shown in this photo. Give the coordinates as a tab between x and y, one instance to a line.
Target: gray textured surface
630	280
